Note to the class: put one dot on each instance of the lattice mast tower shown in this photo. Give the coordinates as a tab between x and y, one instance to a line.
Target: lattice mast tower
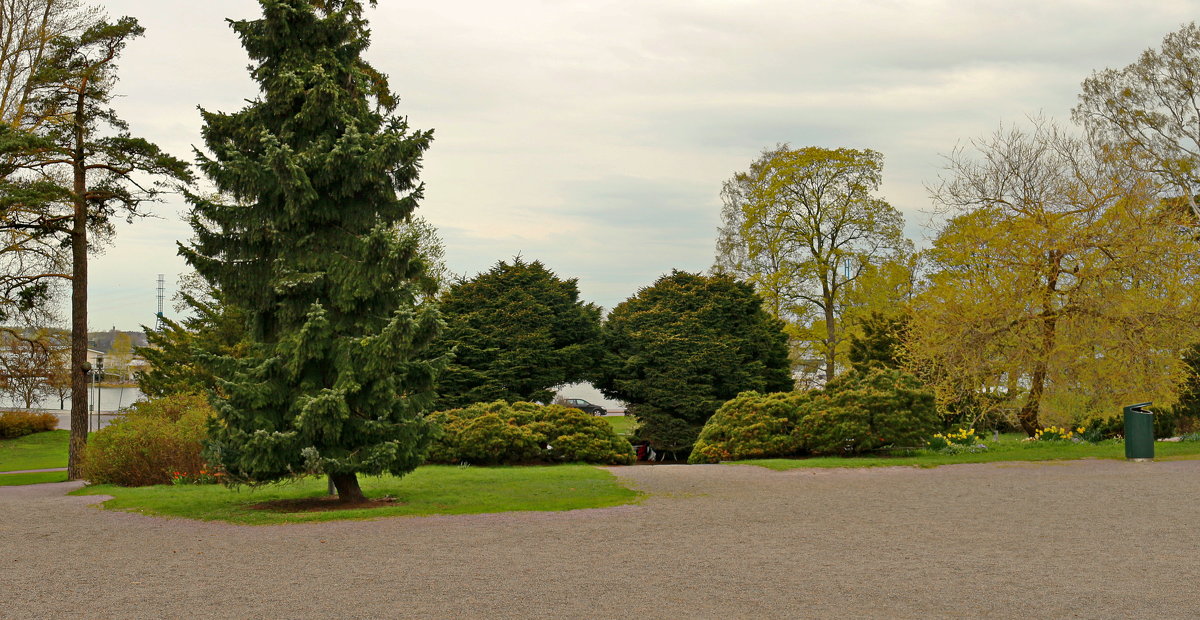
158	320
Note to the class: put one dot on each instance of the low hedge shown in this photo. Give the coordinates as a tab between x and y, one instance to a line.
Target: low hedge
156	442
863	411
15	424
856	412
502	433
752	426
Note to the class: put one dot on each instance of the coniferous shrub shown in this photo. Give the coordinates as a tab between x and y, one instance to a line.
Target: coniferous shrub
502	433
486	439
15	424
153	442
752	425
862	411
830	429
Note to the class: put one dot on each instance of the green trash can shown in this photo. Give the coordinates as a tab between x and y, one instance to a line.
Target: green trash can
1139	433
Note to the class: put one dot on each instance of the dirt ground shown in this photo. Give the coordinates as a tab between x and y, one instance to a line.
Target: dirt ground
1082	539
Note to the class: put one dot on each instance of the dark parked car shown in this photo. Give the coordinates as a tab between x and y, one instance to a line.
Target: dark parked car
587	407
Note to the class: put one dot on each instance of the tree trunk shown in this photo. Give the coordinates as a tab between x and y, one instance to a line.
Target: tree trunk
347	488
830	339
79	336
79	341
1028	416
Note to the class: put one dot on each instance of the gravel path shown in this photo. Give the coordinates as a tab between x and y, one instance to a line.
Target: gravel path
1086	539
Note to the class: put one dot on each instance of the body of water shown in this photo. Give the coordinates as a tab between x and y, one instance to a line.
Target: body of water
111	399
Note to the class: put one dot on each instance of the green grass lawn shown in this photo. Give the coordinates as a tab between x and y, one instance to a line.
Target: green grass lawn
437	489
16	480
623	424
36	451
1004	450
430	490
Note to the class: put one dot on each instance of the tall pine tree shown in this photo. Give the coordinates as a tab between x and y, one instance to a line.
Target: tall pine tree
319	171
68	165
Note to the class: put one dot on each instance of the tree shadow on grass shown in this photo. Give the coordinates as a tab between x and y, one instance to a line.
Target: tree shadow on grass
321	504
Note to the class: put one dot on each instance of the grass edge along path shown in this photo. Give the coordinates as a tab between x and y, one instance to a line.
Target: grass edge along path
37	451
1002	451
41	477
430	490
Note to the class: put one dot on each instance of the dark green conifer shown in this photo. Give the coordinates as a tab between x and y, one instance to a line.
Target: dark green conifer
176	351
682	347
319	173
517	331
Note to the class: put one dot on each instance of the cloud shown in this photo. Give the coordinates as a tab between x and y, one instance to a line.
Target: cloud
595	136
615	234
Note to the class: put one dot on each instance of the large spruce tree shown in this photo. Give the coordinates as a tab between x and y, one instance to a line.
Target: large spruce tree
319	172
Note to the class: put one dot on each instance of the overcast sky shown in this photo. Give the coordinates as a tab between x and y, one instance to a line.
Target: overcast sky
595	135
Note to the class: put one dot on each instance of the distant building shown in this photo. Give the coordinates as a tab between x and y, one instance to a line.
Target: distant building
93	356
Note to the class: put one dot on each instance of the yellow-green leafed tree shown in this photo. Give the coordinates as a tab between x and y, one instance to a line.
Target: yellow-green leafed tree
1151	108
1058	277
121	355
803	225
883	290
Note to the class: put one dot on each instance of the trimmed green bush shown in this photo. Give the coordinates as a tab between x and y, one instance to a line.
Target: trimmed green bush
488	439
752	426
862	411
152	443
1168	422
828	429
15	424
501	433
856	412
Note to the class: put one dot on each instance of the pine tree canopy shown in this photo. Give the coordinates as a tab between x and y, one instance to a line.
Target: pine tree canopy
680	348
214	328
517	330
316	175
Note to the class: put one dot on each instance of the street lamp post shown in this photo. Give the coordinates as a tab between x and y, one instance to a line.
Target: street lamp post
97	376
86	367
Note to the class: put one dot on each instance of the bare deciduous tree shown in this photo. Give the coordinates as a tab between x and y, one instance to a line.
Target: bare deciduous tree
25	368
1151	110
